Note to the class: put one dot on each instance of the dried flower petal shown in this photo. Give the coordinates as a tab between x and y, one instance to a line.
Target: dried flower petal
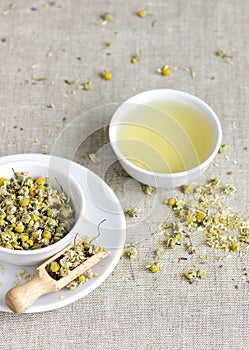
94	158
87	86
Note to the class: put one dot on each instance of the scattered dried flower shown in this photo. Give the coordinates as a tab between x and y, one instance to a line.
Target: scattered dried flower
147	189
223	148
190	71
165	70
193	276
131	252
160	251
201	274
87	86
94	158
224	55
204	210
142	13
136	58
133	212
235	246
107	75
106	17
229	190
154	267
187	189
190	248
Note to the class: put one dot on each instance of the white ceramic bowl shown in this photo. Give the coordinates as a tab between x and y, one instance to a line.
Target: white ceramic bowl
168	180
71	188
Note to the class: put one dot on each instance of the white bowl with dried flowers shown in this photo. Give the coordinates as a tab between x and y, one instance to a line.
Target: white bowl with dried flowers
165	138
41	207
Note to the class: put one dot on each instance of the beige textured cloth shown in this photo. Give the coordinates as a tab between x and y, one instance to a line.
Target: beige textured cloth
42	45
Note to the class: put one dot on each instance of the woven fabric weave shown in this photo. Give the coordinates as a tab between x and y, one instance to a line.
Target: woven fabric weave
47	51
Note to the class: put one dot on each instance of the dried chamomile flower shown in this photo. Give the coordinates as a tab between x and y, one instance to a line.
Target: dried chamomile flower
131	252
160	252
222	148
214	182
244	234
222	53
165	70
82	279
142	13
235	246
107	75
3	180
69	260
200	216
87	86
136	58
190	248
175	236
154	267
193	276
33	214
133	212
172	202
147	189
174	240
190	276
107	17
229	190
166	225
187	189
201	274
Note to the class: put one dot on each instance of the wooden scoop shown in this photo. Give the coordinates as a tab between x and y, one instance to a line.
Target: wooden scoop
20	298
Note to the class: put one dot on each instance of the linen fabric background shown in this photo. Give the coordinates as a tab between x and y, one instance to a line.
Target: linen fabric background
47	50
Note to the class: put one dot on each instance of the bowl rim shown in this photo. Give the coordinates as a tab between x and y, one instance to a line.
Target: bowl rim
54	246
116	119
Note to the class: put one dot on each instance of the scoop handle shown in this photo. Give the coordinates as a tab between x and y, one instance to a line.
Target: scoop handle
20	298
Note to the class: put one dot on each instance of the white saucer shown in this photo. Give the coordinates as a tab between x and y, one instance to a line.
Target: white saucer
101	203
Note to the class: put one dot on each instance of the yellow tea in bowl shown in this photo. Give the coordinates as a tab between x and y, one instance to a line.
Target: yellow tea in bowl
165	137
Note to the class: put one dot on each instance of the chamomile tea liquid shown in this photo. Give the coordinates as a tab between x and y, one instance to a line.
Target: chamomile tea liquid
165	136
